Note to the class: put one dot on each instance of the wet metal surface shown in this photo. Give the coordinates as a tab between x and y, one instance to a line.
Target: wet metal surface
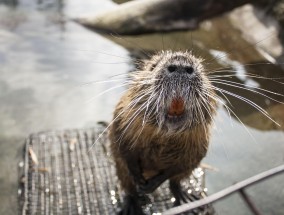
59	175
46	62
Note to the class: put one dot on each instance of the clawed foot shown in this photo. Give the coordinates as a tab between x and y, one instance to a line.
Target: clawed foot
151	184
148	187
180	195
131	206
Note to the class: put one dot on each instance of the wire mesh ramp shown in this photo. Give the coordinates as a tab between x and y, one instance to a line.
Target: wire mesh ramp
60	175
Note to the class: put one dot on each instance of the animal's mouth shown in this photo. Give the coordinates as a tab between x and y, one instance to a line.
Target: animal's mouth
176	109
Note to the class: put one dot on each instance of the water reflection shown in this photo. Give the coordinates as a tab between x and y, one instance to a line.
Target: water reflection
24	12
11	3
55	9
44	5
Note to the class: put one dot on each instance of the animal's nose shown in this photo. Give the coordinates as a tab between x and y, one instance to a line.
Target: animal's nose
180	69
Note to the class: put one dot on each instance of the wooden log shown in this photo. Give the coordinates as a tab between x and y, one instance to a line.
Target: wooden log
146	16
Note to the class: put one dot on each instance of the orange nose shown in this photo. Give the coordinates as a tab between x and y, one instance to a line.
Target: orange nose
177	107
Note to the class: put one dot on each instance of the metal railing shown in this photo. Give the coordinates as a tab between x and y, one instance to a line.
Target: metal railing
238	187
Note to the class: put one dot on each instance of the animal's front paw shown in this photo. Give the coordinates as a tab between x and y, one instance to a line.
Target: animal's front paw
131	206
139	180
151	184
181	196
146	188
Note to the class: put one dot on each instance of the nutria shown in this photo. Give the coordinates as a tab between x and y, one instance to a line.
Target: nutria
162	125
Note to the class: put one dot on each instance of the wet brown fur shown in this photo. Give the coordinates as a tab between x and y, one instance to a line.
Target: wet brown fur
157	149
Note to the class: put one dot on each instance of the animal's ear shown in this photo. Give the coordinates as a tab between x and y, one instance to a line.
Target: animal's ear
149	66
152	63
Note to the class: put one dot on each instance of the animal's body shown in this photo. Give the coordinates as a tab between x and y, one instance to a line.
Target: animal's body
162	125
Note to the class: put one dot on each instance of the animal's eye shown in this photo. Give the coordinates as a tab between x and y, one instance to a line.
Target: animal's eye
153	66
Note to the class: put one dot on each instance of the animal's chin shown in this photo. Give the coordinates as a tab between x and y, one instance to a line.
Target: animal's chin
175	122
175	118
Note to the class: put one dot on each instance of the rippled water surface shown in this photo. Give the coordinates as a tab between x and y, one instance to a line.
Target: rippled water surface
48	66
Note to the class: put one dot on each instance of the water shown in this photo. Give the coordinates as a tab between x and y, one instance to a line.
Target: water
46	61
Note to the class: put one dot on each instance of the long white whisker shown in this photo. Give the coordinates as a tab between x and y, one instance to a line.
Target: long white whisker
143	123
105	81
123	111
101	134
250	86
248	89
260	109
104	92
246	75
134	101
206	105
131	119
228	108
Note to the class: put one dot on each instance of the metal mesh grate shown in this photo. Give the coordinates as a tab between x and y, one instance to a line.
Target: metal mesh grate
59	175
